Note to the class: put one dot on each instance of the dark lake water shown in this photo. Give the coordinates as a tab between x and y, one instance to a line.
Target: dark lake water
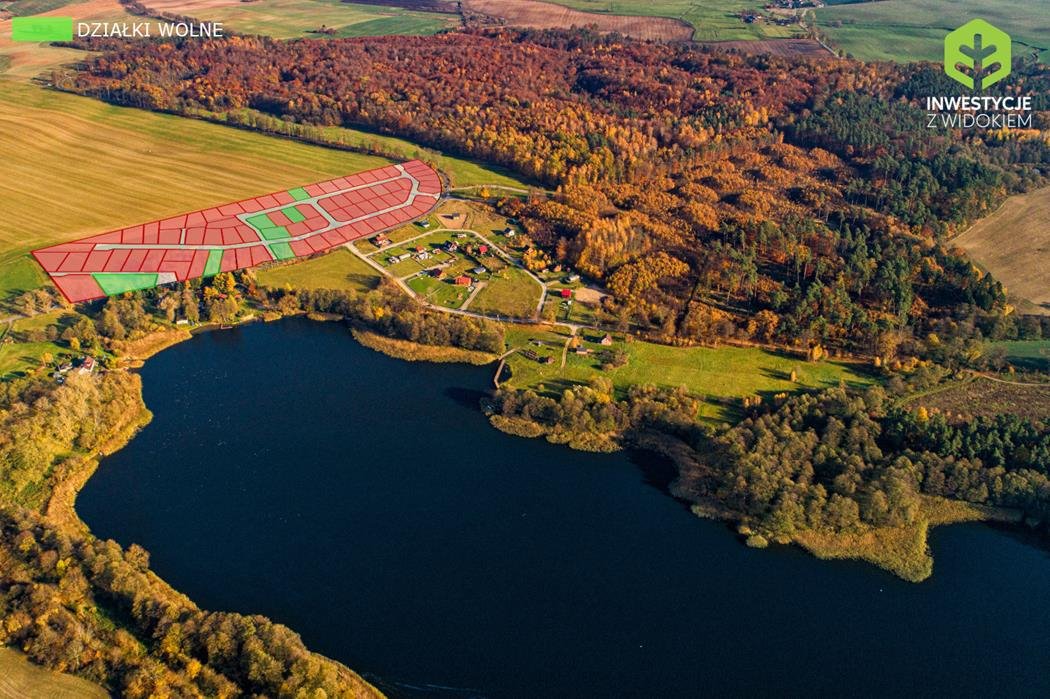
366	503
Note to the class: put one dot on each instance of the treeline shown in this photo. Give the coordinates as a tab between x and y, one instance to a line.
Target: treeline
717	195
839	462
226	297
389	311
77	604
80	605
1002	460
592	417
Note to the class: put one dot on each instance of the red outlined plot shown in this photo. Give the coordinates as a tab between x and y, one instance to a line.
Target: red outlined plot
307	220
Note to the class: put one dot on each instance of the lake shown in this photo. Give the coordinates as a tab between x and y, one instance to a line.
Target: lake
366	503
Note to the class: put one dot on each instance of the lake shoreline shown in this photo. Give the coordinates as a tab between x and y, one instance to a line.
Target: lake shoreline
383	676
908	557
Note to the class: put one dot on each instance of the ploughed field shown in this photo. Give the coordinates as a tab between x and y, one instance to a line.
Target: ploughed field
547	15
804	48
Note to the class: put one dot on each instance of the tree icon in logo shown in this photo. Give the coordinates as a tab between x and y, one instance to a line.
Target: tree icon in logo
977	54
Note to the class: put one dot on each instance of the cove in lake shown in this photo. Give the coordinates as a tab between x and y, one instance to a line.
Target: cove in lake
366	503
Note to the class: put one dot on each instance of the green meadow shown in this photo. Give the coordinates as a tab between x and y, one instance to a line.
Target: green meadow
720	376
914	30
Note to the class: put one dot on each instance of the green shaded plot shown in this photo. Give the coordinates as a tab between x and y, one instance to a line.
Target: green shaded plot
214	264
37	29
259	221
293	214
267	229
299	194
274	233
281	251
118	282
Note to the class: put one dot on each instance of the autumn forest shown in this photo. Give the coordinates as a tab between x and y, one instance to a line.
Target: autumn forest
717	195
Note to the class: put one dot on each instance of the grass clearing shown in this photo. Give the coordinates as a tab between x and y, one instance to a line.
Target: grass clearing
20	275
720	376
571	310
1032	355
338	269
440	292
914	30
19	358
1014	245
508	292
19	355
460	171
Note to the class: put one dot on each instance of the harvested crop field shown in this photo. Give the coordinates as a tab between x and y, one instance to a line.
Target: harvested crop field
21	679
792	48
1014	245
547	15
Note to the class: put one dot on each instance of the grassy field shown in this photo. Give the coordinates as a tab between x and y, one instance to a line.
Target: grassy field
712	20
1033	355
18	358
21	679
1014	245
398	235
440	292
720	376
22	355
914	30
287	19
508	292
339	269
21	274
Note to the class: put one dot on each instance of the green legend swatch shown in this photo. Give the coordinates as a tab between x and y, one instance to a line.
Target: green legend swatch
42	29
